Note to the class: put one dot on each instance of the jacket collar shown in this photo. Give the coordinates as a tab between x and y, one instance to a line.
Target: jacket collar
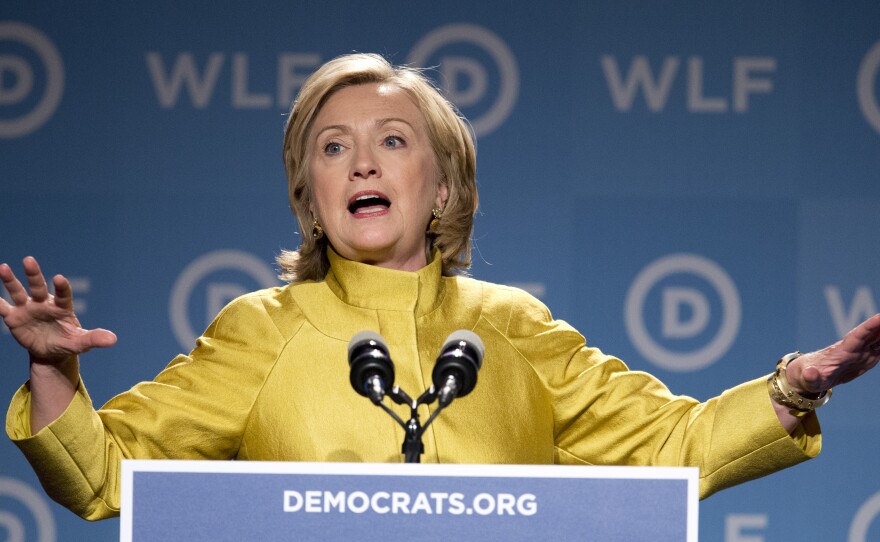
371	287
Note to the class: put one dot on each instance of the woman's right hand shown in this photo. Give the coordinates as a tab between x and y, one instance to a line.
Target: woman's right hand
44	324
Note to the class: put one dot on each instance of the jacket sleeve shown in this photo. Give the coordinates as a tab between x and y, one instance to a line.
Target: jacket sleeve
606	414
197	408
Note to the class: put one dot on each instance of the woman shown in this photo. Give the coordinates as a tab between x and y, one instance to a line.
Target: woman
381	178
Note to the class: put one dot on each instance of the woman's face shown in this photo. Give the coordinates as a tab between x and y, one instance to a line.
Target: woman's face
373	176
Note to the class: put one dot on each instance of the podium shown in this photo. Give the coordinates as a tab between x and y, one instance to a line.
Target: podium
214	501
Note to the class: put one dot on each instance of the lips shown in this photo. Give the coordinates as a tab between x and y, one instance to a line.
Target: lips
368	203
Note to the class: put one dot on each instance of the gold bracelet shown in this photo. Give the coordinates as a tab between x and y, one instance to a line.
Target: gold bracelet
781	392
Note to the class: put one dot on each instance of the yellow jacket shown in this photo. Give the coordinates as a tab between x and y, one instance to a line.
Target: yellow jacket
268	380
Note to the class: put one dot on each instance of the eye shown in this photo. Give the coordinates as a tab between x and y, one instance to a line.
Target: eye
392	142
332	148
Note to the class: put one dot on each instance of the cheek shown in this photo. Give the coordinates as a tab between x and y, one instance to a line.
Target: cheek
323	190
432	180
325	207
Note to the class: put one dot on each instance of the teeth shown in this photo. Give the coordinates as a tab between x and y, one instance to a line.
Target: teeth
368	201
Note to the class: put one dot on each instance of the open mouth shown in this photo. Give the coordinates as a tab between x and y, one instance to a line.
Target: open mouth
369	203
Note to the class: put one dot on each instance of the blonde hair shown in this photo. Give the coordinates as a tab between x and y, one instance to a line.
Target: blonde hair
450	138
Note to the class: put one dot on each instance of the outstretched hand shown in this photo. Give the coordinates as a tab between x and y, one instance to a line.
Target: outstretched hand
848	358
45	324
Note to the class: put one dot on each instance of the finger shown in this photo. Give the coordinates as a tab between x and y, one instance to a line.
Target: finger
864	336
5	307
63	292
96	338
16	291
873	338
35	279
872	324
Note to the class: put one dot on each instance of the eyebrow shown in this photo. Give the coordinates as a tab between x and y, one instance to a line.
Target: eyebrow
383	122
379	123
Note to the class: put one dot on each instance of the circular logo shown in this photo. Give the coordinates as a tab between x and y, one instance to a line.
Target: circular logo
465	68
34	503
17	80
858	531
675	298
866	84
217	293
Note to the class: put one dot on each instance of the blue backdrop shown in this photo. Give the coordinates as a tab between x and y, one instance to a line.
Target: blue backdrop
692	185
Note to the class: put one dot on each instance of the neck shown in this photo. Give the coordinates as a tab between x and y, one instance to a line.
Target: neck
412	261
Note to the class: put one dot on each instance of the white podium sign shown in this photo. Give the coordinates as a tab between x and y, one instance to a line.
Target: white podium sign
196	501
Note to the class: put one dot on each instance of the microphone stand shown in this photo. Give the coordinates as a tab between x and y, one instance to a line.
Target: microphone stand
413	447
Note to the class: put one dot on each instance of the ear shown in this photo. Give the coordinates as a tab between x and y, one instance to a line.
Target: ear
442	194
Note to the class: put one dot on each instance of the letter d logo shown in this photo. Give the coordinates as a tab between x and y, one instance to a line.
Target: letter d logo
685	312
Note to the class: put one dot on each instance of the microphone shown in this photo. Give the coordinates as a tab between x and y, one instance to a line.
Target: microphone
372	371
455	373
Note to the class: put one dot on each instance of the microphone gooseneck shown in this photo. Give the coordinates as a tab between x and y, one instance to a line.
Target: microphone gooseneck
455	375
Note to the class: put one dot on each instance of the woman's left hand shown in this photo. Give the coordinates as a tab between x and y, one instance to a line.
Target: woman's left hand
839	363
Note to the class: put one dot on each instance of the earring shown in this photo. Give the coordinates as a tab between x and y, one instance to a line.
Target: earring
434	225
317	230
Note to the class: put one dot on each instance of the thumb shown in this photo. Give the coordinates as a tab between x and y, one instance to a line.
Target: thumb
97	338
812	379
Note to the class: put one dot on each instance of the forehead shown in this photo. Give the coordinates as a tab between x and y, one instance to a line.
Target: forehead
371	101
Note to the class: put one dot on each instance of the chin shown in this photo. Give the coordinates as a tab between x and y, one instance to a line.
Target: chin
374	241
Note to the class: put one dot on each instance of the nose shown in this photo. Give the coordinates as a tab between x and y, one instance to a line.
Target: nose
364	164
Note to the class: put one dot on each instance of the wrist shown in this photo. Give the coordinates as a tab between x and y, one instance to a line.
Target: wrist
52	386
784	393
42	370
794	376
